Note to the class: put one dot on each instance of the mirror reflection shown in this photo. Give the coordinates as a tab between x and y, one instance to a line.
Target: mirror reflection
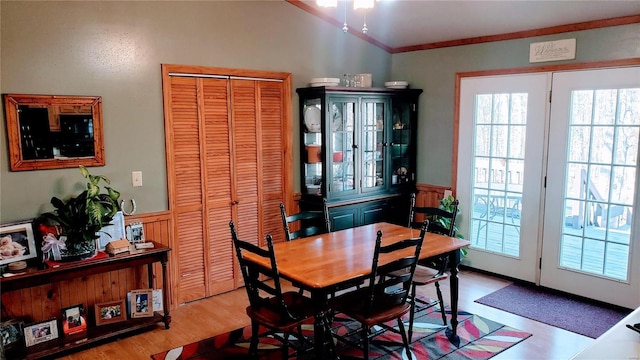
47	132
55	131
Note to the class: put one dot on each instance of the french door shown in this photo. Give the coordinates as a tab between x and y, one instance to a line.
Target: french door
500	166
589	222
549	191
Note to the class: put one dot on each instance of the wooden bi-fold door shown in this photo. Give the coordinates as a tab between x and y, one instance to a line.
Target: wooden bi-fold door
227	159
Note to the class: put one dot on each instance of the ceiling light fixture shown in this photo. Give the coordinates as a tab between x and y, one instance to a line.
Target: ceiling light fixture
357	4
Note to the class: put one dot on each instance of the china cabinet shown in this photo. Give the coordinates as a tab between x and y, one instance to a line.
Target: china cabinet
359	152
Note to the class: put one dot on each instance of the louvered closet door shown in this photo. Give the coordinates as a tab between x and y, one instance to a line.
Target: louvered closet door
226	160
258	156
187	191
271	95
244	122
219	178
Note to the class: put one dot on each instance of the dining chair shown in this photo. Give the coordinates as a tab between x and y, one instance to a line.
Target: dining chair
269	307
432	270
385	298
307	222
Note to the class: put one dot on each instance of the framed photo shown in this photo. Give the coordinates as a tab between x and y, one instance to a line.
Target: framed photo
111	232
135	233
17	242
73	320
11	333
157	300
41	332
141	303
110	312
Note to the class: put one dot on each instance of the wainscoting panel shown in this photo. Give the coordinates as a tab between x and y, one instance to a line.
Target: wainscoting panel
430	195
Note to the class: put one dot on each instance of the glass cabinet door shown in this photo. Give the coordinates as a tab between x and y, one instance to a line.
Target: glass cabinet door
372	143
312	142
342	114
401	143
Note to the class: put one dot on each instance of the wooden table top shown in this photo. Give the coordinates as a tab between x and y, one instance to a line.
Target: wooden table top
325	260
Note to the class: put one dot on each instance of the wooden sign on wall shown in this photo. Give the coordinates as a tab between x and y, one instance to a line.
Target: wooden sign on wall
552	50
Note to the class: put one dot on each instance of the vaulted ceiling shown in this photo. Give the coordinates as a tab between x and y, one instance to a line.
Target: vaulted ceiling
406	25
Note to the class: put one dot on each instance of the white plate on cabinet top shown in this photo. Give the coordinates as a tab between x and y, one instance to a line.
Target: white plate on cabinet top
324	82
396	84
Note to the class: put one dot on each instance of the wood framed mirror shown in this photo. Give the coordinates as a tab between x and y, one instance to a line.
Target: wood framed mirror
53	132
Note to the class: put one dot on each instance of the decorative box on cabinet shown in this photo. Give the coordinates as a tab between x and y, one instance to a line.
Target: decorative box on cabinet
358	151
32	277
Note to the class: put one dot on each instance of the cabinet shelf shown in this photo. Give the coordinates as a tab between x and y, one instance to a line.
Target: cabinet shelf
95	335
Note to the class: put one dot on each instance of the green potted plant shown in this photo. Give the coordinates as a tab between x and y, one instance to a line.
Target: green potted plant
81	217
446	203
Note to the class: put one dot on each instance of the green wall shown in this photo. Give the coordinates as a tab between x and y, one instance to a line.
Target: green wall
114	50
435	71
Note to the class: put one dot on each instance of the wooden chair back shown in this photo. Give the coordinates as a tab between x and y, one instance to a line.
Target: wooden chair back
387	289
307	223
260	293
432	214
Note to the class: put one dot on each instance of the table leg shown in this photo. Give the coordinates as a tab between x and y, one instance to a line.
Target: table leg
319	299
165	292
452	334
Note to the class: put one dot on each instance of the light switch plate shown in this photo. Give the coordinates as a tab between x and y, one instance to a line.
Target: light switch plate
136	178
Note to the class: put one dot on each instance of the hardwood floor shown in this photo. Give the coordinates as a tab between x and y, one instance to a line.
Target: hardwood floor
205	318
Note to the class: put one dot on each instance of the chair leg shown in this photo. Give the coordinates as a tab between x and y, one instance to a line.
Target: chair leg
253	347
365	342
442	311
412	311
405	340
285	346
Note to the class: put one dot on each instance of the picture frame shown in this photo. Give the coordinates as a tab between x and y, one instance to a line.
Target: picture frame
40	332
113	231
141	303
11	333
135	233
73	320
110	312
17	242
158	304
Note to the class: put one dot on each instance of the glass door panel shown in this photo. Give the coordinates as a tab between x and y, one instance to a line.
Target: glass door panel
372	144
498	159
342	135
401	138
312	138
600	186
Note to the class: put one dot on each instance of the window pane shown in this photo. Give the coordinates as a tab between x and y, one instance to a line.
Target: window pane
581	108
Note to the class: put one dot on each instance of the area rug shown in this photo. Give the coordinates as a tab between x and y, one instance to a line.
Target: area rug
549	307
480	338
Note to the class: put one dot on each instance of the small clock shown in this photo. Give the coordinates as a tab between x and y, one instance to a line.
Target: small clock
312	119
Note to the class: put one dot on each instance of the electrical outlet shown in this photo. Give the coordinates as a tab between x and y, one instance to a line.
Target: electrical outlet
136	178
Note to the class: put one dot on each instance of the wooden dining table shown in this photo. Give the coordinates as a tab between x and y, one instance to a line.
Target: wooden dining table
324	264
